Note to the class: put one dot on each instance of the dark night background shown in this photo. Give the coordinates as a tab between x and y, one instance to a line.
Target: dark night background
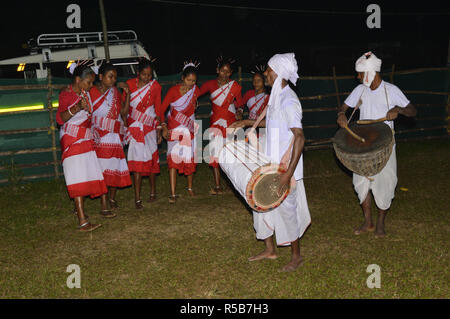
412	35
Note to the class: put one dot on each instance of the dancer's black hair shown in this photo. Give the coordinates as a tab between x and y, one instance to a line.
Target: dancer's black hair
106	67
82	71
221	61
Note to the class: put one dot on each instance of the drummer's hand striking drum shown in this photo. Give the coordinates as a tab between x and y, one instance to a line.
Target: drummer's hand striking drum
252	174
370	157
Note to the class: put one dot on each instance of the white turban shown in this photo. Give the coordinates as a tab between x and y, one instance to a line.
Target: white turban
370	65
285	66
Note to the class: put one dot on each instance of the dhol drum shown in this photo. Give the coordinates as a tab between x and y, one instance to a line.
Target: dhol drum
253	175
364	158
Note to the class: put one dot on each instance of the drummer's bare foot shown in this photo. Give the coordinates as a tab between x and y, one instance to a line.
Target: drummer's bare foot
379	231
266	254
293	264
366	227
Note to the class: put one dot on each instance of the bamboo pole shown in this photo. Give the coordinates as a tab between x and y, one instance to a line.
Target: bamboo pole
240	75
27	130
336	87
32	151
427	92
448	113
52	127
60	86
31	165
104	28
392	74
32	177
421	129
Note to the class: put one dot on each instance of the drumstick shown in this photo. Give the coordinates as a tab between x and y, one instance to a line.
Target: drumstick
371	121
359	138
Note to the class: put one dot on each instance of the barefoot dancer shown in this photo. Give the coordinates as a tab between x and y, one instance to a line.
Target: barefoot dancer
225	95
283	129
180	129
378	99
143	135
107	124
82	170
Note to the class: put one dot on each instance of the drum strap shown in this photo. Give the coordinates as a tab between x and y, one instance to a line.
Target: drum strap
387	99
357	105
359	102
286	158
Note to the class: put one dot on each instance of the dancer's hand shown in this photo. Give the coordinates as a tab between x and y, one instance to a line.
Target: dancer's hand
238	124
124	87
165	132
159	140
83	105
239	114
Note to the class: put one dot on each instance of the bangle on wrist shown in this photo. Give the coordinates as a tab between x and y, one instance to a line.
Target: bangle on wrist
70	112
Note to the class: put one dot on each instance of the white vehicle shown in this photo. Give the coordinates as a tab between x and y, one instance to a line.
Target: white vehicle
124	49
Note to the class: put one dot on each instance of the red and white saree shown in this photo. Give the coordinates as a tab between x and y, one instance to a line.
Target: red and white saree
82	170
181	143
224	101
107	125
145	104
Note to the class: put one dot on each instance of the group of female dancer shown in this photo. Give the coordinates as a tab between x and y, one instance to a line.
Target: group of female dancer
98	120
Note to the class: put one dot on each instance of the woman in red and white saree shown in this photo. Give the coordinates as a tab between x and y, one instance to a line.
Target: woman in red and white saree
82	170
181	129
256	99
143	135
225	96
107	125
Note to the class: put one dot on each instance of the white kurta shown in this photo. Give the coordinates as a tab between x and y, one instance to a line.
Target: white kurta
375	104
290	220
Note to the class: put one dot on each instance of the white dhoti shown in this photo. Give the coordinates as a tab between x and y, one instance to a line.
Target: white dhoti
289	221
382	184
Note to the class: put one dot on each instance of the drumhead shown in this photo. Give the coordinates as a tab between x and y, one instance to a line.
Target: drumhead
377	135
262	189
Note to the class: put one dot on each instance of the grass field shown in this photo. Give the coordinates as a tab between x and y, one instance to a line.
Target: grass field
198	248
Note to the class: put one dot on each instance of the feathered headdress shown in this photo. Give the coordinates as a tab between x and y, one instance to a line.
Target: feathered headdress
194	64
258	69
94	68
220	60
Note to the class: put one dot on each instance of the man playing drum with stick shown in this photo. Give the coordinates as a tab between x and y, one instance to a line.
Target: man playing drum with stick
284	135
378	101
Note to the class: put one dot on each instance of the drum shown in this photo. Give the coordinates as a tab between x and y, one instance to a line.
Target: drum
364	158
253	176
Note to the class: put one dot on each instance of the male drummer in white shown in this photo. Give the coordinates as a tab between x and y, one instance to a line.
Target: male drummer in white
283	122
376	99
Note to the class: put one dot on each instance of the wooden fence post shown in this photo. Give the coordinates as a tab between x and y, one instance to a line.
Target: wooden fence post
240	75
336	87
52	127
448	114
392	74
